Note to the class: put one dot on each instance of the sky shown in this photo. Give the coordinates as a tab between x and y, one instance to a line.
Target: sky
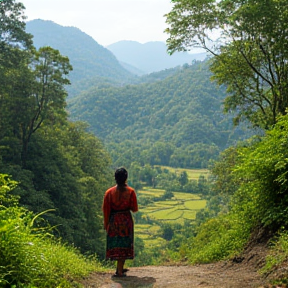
107	21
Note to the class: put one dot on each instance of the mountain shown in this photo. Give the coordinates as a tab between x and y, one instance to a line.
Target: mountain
180	114
151	56
89	59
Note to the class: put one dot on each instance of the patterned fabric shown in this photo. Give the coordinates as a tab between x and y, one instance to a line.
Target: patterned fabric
118	222
120	236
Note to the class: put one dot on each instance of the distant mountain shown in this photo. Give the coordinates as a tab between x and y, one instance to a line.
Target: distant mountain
132	69
89	59
151	56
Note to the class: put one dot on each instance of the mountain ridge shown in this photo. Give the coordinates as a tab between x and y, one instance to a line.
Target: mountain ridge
88	58
151	56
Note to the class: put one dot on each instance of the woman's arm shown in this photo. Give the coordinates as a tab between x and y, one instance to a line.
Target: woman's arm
106	209
133	202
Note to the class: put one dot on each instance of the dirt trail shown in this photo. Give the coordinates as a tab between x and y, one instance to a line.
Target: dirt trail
219	275
241	272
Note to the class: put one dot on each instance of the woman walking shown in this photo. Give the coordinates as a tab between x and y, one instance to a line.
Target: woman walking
118	203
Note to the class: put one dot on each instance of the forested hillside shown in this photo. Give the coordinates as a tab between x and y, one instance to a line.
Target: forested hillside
176	121
58	165
91	62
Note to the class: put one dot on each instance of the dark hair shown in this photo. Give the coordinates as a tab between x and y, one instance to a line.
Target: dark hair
121	176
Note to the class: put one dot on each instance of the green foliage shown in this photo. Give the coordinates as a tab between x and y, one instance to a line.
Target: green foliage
154	255
225	181
167	231
218	239
263	173
7	199
254	195
71	177
12	27
175	122
58	164
30	257
247	59
278	254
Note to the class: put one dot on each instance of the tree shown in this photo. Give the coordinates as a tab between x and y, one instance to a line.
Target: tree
183	178
12	29
33	95
251	54
47	96
15	46
32	89
65	168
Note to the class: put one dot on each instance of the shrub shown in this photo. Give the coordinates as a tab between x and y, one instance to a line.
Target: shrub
218	239
30	256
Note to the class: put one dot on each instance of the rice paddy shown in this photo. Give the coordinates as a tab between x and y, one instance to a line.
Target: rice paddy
182	207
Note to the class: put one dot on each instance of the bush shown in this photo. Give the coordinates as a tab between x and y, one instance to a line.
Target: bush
217	239
31	257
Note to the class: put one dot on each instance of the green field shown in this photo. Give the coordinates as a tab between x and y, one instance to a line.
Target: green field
174	208
149	234
193	174
182	207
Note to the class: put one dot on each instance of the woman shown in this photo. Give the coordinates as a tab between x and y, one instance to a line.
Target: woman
118	223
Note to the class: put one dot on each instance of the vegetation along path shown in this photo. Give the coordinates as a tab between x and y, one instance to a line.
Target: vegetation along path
240	272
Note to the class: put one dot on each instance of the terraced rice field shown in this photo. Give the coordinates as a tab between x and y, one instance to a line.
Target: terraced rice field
182	207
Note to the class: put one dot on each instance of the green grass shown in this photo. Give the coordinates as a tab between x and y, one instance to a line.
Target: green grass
154	242
166	214
189	215
149	234
30	256
193	174
143	226
151	192
185	196
195	204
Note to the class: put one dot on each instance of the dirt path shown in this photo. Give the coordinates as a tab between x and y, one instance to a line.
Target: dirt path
222	275
241	272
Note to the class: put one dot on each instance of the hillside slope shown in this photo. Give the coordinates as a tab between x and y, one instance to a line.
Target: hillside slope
183	110
89	59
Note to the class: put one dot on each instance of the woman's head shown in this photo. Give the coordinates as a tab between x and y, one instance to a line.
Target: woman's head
121	176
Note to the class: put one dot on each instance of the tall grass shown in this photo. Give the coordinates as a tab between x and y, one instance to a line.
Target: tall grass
30	256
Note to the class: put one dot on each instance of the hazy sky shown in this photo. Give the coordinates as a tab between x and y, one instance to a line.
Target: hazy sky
107	21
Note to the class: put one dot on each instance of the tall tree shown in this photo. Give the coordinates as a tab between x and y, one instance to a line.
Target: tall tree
250	56
15	45
47	97
34	94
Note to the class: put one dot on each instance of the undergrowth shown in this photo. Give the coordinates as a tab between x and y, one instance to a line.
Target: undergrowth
277	258
29	255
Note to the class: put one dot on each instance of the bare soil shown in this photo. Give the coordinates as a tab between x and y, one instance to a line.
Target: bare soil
240	272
